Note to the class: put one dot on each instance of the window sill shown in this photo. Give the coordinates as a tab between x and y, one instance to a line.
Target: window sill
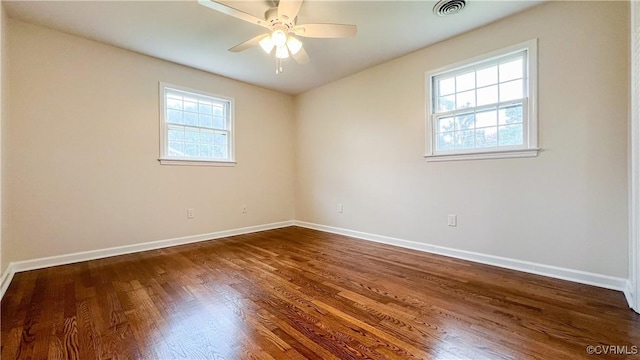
196	162
500	154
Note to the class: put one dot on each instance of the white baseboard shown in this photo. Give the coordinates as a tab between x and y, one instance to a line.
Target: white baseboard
583	277
26	265
628	293
6	278
605	281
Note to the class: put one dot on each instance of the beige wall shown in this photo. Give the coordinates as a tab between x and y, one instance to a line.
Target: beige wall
3	107
360	141
82	149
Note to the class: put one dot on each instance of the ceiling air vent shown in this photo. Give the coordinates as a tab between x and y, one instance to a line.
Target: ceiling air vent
449	7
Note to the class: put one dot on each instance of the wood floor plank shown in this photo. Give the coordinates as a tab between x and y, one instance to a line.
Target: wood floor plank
296	293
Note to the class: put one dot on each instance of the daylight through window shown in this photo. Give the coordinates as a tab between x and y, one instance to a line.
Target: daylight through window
195	126
484	107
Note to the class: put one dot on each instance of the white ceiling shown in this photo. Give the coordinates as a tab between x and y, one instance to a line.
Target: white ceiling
187	33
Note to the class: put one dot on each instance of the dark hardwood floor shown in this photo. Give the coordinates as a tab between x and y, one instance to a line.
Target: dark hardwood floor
295	293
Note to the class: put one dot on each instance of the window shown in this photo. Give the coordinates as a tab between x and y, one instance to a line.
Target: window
195	128
484	107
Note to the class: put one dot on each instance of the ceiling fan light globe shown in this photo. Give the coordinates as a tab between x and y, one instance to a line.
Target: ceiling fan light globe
279	38
282	52
266	44
294	45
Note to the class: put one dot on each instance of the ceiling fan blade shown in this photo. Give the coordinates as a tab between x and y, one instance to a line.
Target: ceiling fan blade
232	12
249	43
301	57
326	30
289	9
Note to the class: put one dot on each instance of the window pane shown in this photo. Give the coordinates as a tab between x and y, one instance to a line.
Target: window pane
486	118
218	110
205	108
488	76
191	150
445	142
487	95
510	135
206	151
464	139
191	135
479	106
174	103
220	151
447	86
190	125
487	137
176	133
219	123
190	118
176	148
206	121
465	82
465	122
511	70
446	103
191	106
510	115
445	124
511	90
220	138
175	117
466	99
206	136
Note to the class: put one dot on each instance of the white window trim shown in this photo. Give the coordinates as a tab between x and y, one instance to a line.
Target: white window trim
529	109
196	162
164	159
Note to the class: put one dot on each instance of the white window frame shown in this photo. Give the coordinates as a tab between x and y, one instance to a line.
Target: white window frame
165	158
529	148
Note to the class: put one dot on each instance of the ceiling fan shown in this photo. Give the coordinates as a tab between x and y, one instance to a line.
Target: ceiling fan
281	23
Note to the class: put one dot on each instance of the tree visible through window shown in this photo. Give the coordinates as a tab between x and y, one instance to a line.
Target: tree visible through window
195	126
484	106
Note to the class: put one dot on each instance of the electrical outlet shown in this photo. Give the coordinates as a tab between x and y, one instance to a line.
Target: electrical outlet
340	208
190	214
452	220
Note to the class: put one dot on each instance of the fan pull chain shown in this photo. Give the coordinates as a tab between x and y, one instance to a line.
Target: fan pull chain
278	66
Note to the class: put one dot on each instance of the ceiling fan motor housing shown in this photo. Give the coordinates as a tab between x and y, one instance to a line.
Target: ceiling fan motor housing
274	21
281	23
